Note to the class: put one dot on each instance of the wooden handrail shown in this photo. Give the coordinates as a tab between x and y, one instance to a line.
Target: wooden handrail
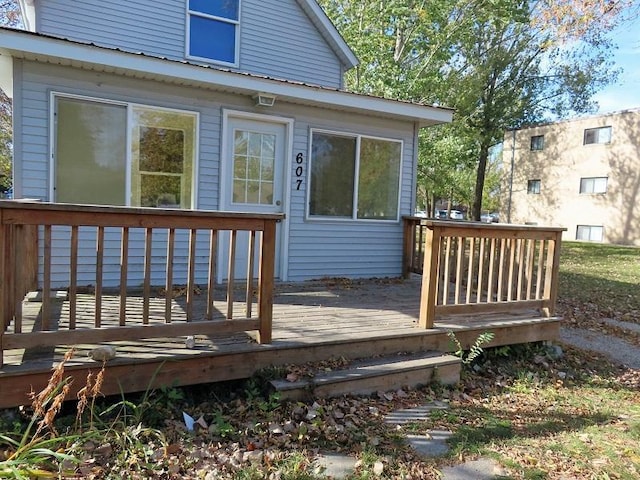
32	231
471	267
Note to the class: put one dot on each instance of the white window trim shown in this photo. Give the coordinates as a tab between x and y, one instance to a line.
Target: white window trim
584	135
128	160
354	217
187	44
225	148
590	227
531	149
538	182
594	184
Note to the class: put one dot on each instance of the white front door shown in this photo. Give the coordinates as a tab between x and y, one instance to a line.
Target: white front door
254	150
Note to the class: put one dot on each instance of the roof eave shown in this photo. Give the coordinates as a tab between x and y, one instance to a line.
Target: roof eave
331	33
64	52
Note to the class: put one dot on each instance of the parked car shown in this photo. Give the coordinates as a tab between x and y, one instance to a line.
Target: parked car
490	218
456	215
441	214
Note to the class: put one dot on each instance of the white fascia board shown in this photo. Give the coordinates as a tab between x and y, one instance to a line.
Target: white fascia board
64	52
322	21
28	10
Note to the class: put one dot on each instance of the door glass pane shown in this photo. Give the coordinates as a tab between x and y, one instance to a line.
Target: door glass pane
90	153
378	179
253	165
163	158
332	175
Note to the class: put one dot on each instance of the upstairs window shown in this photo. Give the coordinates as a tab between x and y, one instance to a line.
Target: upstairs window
600	135
212	30
593	185
354	177
533	186
537	143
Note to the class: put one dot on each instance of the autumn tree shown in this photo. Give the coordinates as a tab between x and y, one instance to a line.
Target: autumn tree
499	63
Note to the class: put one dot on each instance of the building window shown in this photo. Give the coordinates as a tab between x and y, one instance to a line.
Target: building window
354	177
212	30
533	186
537	143
591	233
597	135
593	185
96	162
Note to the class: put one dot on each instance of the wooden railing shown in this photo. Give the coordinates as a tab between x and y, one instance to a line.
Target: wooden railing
470	267
33	235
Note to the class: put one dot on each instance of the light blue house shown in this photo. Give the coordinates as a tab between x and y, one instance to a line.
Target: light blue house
234	105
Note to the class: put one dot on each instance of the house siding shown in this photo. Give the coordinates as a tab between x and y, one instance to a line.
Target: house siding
276	37
355	249
316	248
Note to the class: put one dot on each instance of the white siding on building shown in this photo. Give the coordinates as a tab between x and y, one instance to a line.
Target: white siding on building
316	248
277	38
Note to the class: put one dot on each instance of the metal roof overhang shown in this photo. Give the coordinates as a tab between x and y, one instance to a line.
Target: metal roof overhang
46	49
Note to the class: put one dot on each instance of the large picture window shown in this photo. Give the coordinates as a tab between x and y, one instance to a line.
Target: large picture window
213	30
354	177
119	154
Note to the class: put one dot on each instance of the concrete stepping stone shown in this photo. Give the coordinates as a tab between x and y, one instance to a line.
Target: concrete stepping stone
480	469
336	465
434	442
416	414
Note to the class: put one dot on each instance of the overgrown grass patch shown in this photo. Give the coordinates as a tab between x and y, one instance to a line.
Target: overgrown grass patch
572	417
599	281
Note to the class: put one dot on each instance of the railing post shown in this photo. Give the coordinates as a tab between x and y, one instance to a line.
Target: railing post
408	248
552	280
265	280
3	287
430	277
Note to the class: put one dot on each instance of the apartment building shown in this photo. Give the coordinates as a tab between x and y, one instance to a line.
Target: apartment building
581	174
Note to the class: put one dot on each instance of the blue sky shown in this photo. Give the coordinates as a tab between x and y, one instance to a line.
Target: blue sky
626	92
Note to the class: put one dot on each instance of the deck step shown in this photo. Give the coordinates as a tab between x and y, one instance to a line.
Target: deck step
373	375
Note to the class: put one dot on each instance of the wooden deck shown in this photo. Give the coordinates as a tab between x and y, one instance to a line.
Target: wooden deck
311	321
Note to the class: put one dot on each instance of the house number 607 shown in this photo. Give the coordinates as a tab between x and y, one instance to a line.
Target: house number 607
299	170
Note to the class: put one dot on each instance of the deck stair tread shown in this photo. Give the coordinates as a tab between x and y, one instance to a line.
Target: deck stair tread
376	374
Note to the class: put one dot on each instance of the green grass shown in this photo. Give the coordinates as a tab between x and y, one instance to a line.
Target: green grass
576	417
605	277
540	417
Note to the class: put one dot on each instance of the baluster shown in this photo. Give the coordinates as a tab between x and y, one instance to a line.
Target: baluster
231	273
168	287
250	267
191	273
124	265
146	290
212	273
99	270
73	278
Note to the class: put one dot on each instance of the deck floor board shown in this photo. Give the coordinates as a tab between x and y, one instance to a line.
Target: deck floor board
309	314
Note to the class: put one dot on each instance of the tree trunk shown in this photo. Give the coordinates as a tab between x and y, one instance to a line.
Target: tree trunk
482	169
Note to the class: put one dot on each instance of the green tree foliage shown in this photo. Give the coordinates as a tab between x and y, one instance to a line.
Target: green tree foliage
499	63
